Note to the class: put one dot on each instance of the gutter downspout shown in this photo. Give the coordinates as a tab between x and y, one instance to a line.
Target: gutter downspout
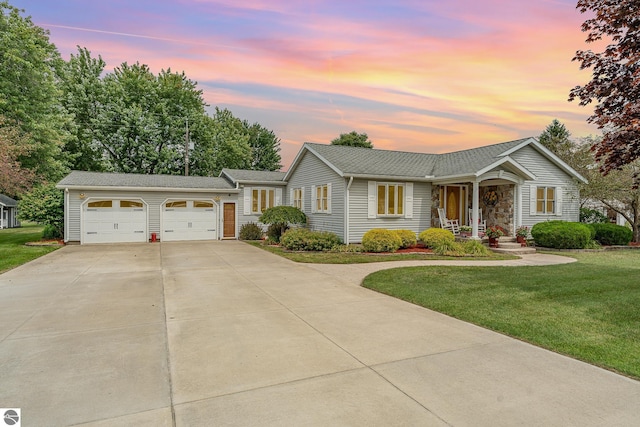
346	210
66	215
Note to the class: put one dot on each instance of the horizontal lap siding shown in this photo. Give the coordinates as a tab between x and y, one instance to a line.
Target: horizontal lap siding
547	174
245	219
358	211
153	200
312	171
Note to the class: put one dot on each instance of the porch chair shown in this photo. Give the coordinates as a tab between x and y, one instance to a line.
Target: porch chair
448	224
482	223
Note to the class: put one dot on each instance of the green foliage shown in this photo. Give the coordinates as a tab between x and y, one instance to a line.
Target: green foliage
561	234
353	139
14	179
433	236
265	147
348	249
407	237
475	248
448	248
279	218
44	205
381	240
276	230
302	239
251	231
50	232
611	234
556	138
29	66
592	216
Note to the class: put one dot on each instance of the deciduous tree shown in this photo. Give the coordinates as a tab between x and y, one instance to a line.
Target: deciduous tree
615	82
14	179
353	139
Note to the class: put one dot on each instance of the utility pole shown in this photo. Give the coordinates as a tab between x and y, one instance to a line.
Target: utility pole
186	150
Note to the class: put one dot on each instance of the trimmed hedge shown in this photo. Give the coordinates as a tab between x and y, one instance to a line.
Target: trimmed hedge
434	236
561	235
611	234
408	238
251	231
302	239
381	240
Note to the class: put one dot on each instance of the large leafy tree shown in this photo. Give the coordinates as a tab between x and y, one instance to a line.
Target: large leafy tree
265	147
29	66
44	204
353	139
141	127
14	179
614	85
83	97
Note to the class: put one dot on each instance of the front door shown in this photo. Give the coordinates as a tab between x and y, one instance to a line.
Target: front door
229	228
453	204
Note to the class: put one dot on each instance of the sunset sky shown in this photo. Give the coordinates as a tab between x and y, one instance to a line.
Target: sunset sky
415	75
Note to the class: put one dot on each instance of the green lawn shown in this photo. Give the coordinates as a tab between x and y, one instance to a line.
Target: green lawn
13	252
589	310
360	258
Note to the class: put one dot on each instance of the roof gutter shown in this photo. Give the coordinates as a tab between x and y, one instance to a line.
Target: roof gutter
158	189
391	177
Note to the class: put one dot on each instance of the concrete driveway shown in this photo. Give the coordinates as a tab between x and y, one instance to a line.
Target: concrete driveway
221	333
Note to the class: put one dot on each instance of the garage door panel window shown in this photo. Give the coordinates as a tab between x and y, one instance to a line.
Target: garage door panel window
100	204
131	204
177	204
202	204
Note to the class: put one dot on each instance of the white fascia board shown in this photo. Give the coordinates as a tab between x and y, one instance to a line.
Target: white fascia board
390	177
527	174
264	183
156	189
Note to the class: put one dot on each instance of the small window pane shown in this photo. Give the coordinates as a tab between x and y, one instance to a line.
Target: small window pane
177	204
550	193
400	200
101	204
392	200
381	199
540	206
202	204
263	200
254	201
550	208
540	193
130	204
271	198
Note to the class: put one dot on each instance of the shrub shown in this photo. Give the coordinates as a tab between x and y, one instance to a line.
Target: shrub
251	231
44	205
408	238
50	232
449	248
611	234
475	248
381	240
561	235
432	236
348	249
592	216
302	239
275	231
279	218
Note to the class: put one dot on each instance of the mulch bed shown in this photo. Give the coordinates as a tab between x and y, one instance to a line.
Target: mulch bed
46	243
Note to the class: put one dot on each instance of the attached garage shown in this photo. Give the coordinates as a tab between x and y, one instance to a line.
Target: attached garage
114	221
189	220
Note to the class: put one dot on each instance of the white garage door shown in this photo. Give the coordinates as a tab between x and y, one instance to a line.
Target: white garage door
114	221
188	220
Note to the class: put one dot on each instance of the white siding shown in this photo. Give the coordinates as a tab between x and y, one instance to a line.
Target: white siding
311	171
245	219
154	200
547	174
360	222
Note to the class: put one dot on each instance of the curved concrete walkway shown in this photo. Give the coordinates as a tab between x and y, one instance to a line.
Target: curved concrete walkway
222	333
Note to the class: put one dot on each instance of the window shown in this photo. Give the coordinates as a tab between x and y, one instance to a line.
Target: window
101	204
390	199
323	198
546	200
262	199
202	204
297	198
177	204
130	204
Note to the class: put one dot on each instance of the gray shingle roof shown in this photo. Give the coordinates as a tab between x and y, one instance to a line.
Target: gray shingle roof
8	201
367	161
240	175
472	160
131	180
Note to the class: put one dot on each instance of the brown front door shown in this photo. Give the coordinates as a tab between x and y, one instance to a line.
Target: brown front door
453	204
229	229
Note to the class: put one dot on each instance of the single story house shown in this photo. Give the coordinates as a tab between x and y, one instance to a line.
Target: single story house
8	212
345	190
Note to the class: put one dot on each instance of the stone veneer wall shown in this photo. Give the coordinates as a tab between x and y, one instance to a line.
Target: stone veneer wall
502	212
435	204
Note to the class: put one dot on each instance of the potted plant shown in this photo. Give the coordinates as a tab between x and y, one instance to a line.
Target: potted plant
521	235
465	230
494	233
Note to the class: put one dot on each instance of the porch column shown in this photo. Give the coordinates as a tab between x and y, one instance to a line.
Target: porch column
474	210
518	205
1	217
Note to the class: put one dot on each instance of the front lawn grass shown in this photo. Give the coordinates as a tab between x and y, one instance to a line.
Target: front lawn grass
13	252
361	258
589	310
